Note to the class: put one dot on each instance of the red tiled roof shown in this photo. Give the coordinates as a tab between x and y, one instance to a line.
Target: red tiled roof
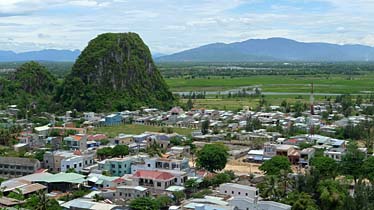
153	175
77	152
119	180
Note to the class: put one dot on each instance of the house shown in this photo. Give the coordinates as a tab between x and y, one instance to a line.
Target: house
245	197
306	155
61	160
129	192
113	119
245	203
162	163
158	180
16	167
102	181
85	204
293	156
123	139
76	142
255	155
233	189
117	166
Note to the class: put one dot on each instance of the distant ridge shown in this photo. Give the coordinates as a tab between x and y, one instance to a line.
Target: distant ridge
272	49
42	55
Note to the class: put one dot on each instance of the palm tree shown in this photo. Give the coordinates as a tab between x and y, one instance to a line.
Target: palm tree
271	188
191	185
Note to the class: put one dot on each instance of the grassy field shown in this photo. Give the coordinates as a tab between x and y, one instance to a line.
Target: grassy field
112	131
235	104
323	83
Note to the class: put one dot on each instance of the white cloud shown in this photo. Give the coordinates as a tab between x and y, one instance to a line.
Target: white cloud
169	25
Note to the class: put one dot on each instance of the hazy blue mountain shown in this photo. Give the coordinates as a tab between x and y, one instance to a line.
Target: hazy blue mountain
42	55
272	49
157	55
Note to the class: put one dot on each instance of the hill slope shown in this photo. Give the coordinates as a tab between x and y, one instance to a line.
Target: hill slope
30	84
114	72
273	49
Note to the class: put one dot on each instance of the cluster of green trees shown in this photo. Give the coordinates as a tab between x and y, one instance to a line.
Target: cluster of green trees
326	185
204	70
116	151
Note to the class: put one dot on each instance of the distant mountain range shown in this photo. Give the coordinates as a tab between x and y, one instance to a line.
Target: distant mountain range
47	55
42	55
272	49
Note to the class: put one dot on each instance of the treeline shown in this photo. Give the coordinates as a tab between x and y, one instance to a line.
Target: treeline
203	70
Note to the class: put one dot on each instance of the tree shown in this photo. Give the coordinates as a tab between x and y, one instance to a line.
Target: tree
189	104
368	169
104	152
163	201
352	161
191	185
205	127
39	155
332	194
212	157
40	201
301	201
275	165
120	150
144	203
178	196
269	189
252	124
326	166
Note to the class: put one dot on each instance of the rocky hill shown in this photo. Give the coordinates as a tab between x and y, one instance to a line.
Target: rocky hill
30	84
114	72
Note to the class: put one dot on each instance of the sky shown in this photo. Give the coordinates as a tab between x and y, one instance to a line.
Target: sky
169	26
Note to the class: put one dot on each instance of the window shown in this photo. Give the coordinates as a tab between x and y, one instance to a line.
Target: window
238	193
119	166
246	194
113	166
232	192
80	164
225	191
67	166
149	165
75	165
158	184
120	193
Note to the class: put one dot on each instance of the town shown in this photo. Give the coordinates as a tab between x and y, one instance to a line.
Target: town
198	159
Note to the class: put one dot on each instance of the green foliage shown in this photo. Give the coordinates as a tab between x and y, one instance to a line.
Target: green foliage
275	165
40	201
352	161
368	169
30	84
201	193
253	124
205	127
212	157
120	150
114	72
326	166
144	203
332	194
116	151
301	201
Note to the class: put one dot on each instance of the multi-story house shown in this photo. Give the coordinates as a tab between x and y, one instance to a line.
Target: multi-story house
76	142
61	161
15	167
117	166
